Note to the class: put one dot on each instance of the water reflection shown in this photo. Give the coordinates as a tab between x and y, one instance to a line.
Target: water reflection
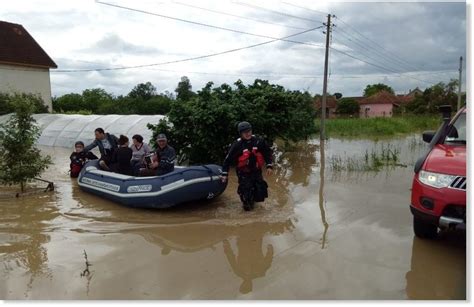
321	193
24	234
438	268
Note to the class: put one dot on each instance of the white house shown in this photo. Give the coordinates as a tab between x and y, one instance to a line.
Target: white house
24	65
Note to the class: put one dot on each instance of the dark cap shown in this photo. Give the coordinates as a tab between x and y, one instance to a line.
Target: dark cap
161	136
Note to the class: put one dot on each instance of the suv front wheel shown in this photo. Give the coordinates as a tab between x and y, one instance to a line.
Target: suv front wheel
423	229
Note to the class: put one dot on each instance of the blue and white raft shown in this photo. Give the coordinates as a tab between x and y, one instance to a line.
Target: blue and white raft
184	184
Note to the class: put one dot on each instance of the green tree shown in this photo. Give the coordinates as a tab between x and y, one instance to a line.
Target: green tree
433	97
143	91
203	128
20	160
372	89
7	106
347	106
93	98
68	102
184	90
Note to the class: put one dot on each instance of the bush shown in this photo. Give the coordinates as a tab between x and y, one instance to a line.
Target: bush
203	128
347	106
20	160
7	102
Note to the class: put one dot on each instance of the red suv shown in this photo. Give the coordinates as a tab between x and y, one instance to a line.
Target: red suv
438	196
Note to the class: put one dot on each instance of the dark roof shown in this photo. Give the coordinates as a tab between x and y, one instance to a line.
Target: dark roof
331	102
18	47
382	97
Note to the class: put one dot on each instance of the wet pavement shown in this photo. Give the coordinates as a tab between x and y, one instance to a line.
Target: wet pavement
322	234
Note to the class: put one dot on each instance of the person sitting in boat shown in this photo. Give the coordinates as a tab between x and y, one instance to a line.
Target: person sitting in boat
107	143
121	158
78	158
139	151
163	159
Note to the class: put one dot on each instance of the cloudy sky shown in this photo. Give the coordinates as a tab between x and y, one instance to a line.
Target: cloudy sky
405	45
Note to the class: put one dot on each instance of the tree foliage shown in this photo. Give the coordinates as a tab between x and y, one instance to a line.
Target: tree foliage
347	106
20	160
142	99
372	89
433	97
202	129
7	104
184	90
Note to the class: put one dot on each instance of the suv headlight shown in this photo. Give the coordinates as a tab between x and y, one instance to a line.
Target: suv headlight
436	180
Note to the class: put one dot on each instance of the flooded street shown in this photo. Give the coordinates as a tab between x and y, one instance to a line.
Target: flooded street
329	230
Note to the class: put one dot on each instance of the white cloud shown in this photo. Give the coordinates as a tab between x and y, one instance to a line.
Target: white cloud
85	34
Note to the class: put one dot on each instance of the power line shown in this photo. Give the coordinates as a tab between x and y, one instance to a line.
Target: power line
191	58
237	16
375	65
316	11
375	43
275	12
201	24
373	51
394	56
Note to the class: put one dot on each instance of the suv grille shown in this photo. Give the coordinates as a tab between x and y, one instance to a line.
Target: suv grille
459	183
455	211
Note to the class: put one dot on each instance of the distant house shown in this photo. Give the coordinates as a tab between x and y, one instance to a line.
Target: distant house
408	98
381	104
24	65
331	105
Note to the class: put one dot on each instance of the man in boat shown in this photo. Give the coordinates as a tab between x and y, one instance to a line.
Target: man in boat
162	160
107	143
251	154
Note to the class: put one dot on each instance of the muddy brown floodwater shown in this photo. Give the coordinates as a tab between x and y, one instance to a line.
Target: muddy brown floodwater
322	234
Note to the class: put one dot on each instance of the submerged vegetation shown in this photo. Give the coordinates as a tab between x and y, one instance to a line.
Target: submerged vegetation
380	126
375	160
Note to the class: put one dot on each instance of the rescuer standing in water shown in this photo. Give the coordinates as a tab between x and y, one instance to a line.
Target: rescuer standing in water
250	154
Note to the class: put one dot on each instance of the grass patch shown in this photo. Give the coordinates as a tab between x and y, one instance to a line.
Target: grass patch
379	126
375	160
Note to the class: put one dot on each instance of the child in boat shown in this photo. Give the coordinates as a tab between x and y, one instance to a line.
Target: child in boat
78	158
121	158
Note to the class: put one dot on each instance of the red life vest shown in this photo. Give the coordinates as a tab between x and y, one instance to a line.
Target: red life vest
75	169
244	159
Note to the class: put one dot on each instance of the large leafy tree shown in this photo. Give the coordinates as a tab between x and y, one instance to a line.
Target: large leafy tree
20	160
93	98
372	89
184	90
143	91
347	106
433	97
203	128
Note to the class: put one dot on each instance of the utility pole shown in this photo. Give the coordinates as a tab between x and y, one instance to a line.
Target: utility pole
460	80
325	82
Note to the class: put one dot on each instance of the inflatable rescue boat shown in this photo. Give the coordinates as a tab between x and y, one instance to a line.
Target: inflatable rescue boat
184	184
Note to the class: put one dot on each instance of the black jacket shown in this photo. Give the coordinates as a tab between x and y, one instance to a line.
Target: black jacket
113	140
81	157
240	145
167	158
121	161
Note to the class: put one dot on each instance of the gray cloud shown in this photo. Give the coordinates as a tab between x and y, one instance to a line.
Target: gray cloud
427	36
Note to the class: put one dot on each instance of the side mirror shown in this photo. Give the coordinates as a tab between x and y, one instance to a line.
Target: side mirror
428	136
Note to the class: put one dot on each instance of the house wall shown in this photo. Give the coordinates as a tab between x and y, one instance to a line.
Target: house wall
376	110
26	80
